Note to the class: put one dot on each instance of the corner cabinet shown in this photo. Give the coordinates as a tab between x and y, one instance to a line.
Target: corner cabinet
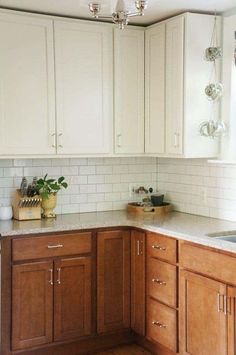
129	90
27	101
83	57
138	278
113	280
176	77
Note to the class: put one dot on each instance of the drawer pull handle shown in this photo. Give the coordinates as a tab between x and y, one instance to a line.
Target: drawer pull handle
55	246
159	282
159	324
158	247
59	276
51	276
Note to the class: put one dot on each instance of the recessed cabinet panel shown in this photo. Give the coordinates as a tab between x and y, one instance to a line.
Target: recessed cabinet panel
113	280
27	102
129	90
32	304
203	319
72	300
138	271
83	56
174	85
155	89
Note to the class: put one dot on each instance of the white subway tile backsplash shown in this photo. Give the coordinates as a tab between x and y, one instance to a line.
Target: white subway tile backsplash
96	197
87	170
195	186
104	206
98	184
103	169
104	188
70	171
11	172
95	184
96	179
86	189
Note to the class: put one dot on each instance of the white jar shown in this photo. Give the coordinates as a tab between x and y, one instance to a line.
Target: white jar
5	213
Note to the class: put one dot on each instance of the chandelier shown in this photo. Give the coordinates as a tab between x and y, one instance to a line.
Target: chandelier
120	16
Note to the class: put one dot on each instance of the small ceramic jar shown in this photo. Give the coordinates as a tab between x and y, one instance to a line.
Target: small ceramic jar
5	213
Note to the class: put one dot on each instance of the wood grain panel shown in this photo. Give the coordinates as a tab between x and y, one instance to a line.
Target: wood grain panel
138	296
72	298
207	262
113	255
203	324
51	246
167	317
32	305
162	281
162	247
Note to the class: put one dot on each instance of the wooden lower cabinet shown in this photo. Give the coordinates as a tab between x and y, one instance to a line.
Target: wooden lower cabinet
113	280
32	304
203	315
72	298
51	301
138	276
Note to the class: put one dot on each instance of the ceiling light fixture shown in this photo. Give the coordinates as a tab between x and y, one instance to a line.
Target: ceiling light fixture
120	16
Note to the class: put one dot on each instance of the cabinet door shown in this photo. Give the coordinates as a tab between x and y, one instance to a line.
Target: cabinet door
129	90
203	322
27	102
155	89
72	300
32	304
174	85
84	87
231	310
113	260
138	282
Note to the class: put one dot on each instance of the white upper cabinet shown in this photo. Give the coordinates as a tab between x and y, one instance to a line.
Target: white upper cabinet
174	85
176	104
27	103
83	57
155	89
129	90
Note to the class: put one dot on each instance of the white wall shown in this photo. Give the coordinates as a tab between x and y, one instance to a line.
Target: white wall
197	187
95	184
228	146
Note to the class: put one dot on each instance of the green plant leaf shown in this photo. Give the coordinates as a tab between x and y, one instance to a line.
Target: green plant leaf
64	184
61	179
55	187
50	181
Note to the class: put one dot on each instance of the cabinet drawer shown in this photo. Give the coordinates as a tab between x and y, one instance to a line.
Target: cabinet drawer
50	246
162	247
162	324
161	281
208	262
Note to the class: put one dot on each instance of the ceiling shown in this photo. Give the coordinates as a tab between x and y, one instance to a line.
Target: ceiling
157	9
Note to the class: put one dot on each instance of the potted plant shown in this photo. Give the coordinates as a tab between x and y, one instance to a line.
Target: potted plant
48	189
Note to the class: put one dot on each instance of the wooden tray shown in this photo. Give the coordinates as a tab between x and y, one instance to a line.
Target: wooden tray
135	208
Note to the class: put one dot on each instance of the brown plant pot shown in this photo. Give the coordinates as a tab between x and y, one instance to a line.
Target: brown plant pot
48	205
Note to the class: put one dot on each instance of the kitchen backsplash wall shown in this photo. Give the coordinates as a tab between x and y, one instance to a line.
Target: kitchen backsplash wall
101	184
95	184
197	187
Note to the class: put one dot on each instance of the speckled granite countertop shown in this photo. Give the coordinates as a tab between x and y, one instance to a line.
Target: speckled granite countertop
180	225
